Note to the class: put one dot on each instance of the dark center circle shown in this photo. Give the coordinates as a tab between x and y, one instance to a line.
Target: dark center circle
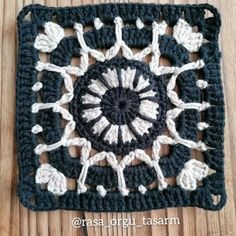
120	105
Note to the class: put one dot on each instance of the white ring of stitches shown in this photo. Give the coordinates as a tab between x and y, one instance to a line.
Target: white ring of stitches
193	170
146	108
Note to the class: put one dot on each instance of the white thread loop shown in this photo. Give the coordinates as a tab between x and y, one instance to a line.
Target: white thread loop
139	23
172	82
200	146
121	181
85	152
37	129
101	190
202	84
87	162
197	106
37	86
81	187
70	126
98	24
163	139
155	162
202	125
141	155
142	189
157	29
99	56
111	158
40	66
119	44
161	180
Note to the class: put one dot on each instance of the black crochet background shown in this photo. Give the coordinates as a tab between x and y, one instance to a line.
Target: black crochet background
32	196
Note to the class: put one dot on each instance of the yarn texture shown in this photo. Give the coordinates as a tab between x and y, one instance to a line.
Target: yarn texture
121	106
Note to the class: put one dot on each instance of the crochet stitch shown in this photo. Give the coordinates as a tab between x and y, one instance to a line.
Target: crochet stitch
123	97
120	106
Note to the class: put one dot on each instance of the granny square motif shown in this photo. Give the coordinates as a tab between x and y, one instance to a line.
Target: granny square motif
120	107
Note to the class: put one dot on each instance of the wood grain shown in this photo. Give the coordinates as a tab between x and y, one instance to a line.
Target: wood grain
17	220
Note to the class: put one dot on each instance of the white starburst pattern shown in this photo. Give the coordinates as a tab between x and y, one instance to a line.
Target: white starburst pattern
184	35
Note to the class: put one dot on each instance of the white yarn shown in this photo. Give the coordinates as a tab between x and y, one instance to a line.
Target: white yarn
100	125
55	180
37	86
101	190
139	23
127	134
149	93
97	87
202	125
119	168
57	106
153	48
184	35
112	134
81	187
148	109
37	129
121	181
87	162
88	98
84	48
40	66
178	70
163	139
127	77
91	114
193	170
202	84
40	148
142	189
111	78
119	44
139	56
155	162
141	155
157	29
141	126
188	143
142	83
54	34
98	24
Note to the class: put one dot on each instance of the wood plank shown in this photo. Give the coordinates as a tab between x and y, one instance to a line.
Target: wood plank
7	111
227	37
15	205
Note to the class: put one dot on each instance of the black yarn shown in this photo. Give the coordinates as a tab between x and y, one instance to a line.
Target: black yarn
115	115
120	105
32	196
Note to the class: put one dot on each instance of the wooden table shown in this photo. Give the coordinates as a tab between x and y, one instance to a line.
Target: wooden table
17	220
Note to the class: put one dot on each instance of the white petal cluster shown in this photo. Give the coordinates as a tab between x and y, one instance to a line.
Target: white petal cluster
47	42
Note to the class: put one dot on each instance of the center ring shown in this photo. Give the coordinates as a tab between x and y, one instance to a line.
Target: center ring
119	106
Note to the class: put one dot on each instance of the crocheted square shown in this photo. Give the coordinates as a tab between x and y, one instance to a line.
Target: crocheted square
120	107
